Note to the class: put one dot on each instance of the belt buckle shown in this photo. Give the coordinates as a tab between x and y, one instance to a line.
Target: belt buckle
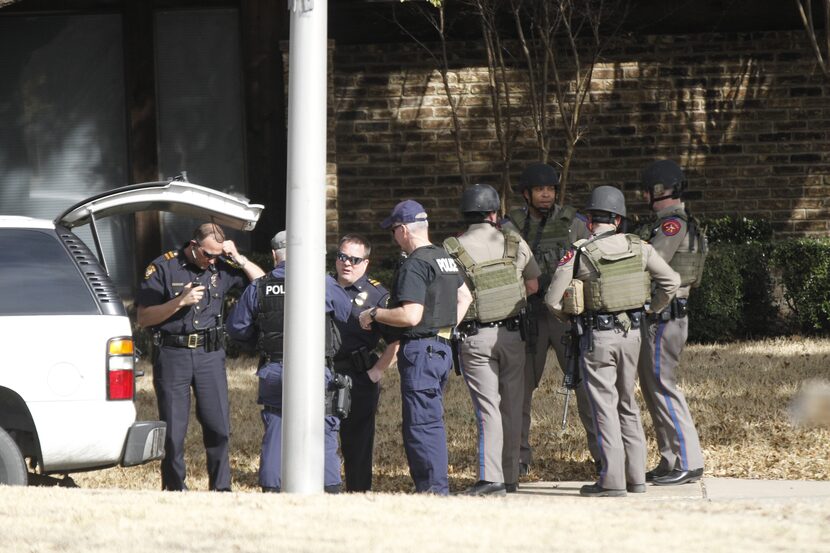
192	341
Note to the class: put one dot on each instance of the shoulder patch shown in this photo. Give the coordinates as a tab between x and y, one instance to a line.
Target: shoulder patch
171	254
670	227
148	272
567	257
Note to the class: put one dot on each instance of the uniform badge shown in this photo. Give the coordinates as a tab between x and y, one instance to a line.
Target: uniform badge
214	278
151	268
567	257
360	299
670	227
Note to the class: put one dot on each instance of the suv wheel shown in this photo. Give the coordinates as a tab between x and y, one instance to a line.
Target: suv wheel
12	465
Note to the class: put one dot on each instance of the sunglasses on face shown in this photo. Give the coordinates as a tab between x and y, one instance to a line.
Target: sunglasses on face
354	260
207	254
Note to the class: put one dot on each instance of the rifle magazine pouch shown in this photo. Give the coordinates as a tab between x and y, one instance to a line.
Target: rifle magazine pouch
573	300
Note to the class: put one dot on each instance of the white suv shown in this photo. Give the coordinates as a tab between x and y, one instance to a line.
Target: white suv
67	369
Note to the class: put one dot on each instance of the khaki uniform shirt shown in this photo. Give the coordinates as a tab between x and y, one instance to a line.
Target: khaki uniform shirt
484	242
669	234
664	277
578	229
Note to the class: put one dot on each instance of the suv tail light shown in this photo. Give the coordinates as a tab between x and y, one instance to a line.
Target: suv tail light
120	369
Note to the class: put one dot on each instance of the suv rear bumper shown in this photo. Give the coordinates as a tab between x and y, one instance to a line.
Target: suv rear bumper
145	442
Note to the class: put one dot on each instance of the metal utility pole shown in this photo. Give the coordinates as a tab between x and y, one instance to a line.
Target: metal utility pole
303	377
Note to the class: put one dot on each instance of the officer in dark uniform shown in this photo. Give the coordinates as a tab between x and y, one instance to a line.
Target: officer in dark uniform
258	318
181	300
356	358
429	297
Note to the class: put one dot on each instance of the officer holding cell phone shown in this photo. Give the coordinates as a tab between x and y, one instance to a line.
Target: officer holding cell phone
181	300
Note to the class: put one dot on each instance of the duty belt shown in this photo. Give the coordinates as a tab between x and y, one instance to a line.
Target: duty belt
444	336
191	341
677	309
511	324
609	321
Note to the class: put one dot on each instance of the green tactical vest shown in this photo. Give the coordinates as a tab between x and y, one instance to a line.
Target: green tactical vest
549	245
498	292
622	284
688	262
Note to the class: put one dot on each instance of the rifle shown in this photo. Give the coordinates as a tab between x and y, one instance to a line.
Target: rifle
573	354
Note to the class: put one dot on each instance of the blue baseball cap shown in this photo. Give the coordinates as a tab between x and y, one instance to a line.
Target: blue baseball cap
407	211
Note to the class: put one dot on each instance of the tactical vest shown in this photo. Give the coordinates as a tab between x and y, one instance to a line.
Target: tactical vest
621	282
271	296
270	319
688	262
498	292
548	239
442	293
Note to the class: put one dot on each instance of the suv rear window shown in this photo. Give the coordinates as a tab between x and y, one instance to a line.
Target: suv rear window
39	277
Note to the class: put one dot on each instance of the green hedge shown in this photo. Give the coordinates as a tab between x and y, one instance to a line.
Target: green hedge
805	274
736	299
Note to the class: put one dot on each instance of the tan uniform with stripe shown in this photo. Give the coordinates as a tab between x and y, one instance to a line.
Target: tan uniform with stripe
550	333
663	342
609	370
493	366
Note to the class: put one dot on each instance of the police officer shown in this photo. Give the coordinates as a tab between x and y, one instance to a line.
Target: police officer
550	230
428	298
677	238
357	359
612	269
500	272
181	299
258	318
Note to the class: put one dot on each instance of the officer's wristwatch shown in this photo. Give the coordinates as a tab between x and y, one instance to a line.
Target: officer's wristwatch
373	312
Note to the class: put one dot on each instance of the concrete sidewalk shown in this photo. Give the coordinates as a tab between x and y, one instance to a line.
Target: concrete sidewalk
711	489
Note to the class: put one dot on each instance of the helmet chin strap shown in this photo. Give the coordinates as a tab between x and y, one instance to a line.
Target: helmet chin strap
673	196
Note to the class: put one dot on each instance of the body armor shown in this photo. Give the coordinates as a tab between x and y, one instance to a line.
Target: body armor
442	293
271	297
498	292
548	238
688	260
621	282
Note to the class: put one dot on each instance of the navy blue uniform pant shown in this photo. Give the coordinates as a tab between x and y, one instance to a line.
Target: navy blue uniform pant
270	463
424	366
357	432
175	371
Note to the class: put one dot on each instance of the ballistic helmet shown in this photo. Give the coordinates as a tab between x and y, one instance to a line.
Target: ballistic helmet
480	198
661	176
607	198
537	174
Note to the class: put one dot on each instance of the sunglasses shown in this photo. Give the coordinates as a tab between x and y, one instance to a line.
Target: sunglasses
393	229
354	260
208	254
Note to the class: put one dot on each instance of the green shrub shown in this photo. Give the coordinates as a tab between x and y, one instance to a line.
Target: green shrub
715	307
737	230
805	268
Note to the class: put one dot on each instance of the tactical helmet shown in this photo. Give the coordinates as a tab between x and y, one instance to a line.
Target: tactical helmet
661	176
538	174
481	198
607	198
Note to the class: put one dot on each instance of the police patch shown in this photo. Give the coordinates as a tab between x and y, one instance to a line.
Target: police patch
670	227
151	268
567	257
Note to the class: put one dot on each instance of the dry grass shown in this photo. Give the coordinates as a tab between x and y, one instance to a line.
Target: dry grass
740	395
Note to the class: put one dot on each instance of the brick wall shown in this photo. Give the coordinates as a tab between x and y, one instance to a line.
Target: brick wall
747	114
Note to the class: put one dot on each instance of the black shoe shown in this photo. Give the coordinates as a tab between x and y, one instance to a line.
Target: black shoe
482	487
511	488
595	490
635	488
524	469
677	477
334	488
269	489
656	472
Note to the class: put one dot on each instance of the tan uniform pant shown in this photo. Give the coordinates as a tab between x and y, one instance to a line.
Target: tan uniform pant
659	358
492	364
550	333
609	378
